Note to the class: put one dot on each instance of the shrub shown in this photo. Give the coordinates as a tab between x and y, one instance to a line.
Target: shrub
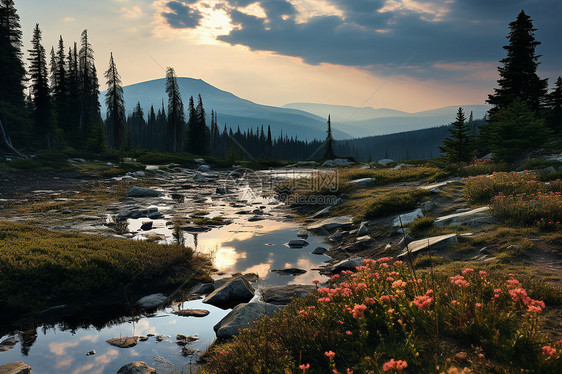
543	209
395	202
420	225
382	318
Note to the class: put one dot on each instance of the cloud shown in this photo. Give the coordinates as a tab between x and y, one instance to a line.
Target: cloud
426	36
69	19
134	12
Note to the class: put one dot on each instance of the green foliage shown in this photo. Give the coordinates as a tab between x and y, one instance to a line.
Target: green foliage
52	267
420	225
459	146
542	209
395	202
361	321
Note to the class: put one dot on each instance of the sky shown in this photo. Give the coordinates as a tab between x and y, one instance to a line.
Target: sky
409	55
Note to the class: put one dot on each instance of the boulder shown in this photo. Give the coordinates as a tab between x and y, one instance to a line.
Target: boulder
363	240
17	367
363	229
427	206
349	264
435	242
319	251
137	367
402	166
302	234
362	182
199	160
200	177
289	271
204	168
407	218
330	224
405	241
337	236
192	312
152	301
186	339
142	192
385	161
462	218
297	243
242	316
202	289
237	289
147	225
125	342
282	295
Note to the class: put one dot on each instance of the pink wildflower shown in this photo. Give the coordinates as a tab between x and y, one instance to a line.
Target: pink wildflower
548	351
304	367
422	302
395	364
330	354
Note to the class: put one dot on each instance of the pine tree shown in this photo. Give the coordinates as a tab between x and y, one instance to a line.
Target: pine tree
518	77
176	116
74	98
13	111
90	107
554	108
191	141
60	88
42	106
115	102
329	153
459	146
202	129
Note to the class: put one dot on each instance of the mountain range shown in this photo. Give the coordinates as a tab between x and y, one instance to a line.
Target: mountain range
303	120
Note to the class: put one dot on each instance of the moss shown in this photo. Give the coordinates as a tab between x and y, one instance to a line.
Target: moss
395	202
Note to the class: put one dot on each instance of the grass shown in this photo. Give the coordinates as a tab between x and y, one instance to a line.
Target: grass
386	176
205	221
542	209
420	226
395	202
40	268
381	319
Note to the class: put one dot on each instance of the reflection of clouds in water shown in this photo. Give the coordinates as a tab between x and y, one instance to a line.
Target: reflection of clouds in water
83	368
261	269
107	357
59	349
172	322
64	363
142	327
227	257
308	277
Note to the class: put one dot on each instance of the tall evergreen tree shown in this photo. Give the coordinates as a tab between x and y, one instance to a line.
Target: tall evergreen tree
115	102
90	115
459	146
60	88
518	77
42	106
202	129
329	152
12	74
176	116
191	135
554	108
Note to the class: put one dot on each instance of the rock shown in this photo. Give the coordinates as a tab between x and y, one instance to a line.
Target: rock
407	218
8	344
514	247
243	316
17	367
362	182
199	160
322	213
159	338
306	164
349	264
186	339
137	367
302	234
202	289
435	242
90	353
204	168
192	313
442	184
143	338
152	301
365	167
297	243
77	160
336	237
289	271
548	170
138	173
427	206
364	240
125	342
330	224
363	229
238	289
338	162
154	215
405	241
402	166
147	225
282	295
385	161
434	190
142	192
319	251
187	351
200	177
462	218
66	211
484	251
222	190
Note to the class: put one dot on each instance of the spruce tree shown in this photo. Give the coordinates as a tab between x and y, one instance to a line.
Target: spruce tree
554	108
90	115
42	106
329	153
518	77
176	116
13	111
115	102
202	129
191	142
459	146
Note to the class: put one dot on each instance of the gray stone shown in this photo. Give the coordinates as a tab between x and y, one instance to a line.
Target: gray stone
204	168
405	241
200	177
90	353
237	289
441	184
385	161
427	206
8	344
336	237
330	224
17	367
297	243
402	166
152	301
154	215
362	182
147	225
142	192
137	367
349	264
302	234
319	251
363	229
186	339
458	219
199	160
283	295
242	316
124	342
484	251
435	242
364	240
202	289
407	218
